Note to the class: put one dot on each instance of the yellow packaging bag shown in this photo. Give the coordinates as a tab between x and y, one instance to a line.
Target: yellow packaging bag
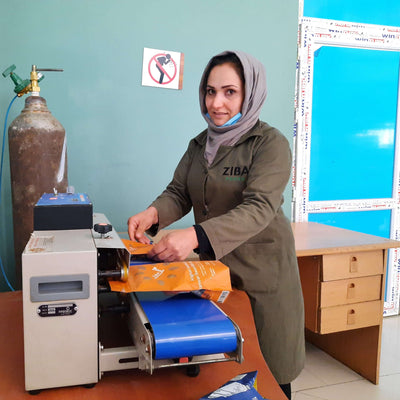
208	279
137	248
175	276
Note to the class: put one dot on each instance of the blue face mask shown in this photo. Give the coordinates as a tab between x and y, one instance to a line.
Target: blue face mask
232	121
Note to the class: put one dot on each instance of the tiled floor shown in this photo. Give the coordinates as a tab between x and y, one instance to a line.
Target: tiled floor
324	378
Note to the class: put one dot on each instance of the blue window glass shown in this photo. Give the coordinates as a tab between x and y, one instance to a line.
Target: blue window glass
382	12
371	222
354	112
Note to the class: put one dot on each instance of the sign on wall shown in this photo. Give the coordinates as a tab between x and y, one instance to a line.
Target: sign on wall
162	68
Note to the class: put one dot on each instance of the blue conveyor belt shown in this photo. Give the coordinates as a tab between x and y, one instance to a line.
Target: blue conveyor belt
186	325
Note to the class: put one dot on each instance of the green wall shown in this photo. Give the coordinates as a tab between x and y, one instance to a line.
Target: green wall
124	140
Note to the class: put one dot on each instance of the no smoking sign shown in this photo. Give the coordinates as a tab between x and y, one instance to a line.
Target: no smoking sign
162	68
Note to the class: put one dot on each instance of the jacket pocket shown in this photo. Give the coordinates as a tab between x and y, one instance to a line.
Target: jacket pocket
255	266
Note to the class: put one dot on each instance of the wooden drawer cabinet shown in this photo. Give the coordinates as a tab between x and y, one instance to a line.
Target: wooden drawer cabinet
342	275
342	291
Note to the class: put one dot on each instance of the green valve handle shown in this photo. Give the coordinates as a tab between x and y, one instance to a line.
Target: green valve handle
20	84
8	71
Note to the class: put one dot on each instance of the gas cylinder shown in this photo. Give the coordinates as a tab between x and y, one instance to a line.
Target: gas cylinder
38	164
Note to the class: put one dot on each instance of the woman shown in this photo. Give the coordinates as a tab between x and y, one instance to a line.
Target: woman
233	174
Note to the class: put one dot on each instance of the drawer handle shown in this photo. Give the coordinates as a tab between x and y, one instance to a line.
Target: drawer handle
351	317
353	264
351	290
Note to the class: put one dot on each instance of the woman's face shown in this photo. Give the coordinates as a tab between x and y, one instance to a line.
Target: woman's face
224	93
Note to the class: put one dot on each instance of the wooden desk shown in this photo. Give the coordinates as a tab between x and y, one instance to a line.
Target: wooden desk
168	383
342	274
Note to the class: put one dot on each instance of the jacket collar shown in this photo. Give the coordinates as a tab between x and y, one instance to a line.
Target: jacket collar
201	139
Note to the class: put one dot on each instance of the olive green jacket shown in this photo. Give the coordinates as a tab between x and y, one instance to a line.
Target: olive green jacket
237	201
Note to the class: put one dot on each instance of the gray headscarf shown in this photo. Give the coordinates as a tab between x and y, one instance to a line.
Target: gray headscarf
254	97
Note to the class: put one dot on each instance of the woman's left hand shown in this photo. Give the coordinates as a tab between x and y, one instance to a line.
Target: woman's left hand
175	246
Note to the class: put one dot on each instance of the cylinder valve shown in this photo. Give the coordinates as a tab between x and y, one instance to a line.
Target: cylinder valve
23	86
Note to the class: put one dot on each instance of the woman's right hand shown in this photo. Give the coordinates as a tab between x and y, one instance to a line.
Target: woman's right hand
139	223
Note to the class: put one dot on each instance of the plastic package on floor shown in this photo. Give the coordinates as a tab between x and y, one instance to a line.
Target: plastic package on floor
241	387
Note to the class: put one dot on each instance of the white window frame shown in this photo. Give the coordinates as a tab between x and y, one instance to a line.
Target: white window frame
313	34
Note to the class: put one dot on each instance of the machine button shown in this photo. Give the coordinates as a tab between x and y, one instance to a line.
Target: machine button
102	228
